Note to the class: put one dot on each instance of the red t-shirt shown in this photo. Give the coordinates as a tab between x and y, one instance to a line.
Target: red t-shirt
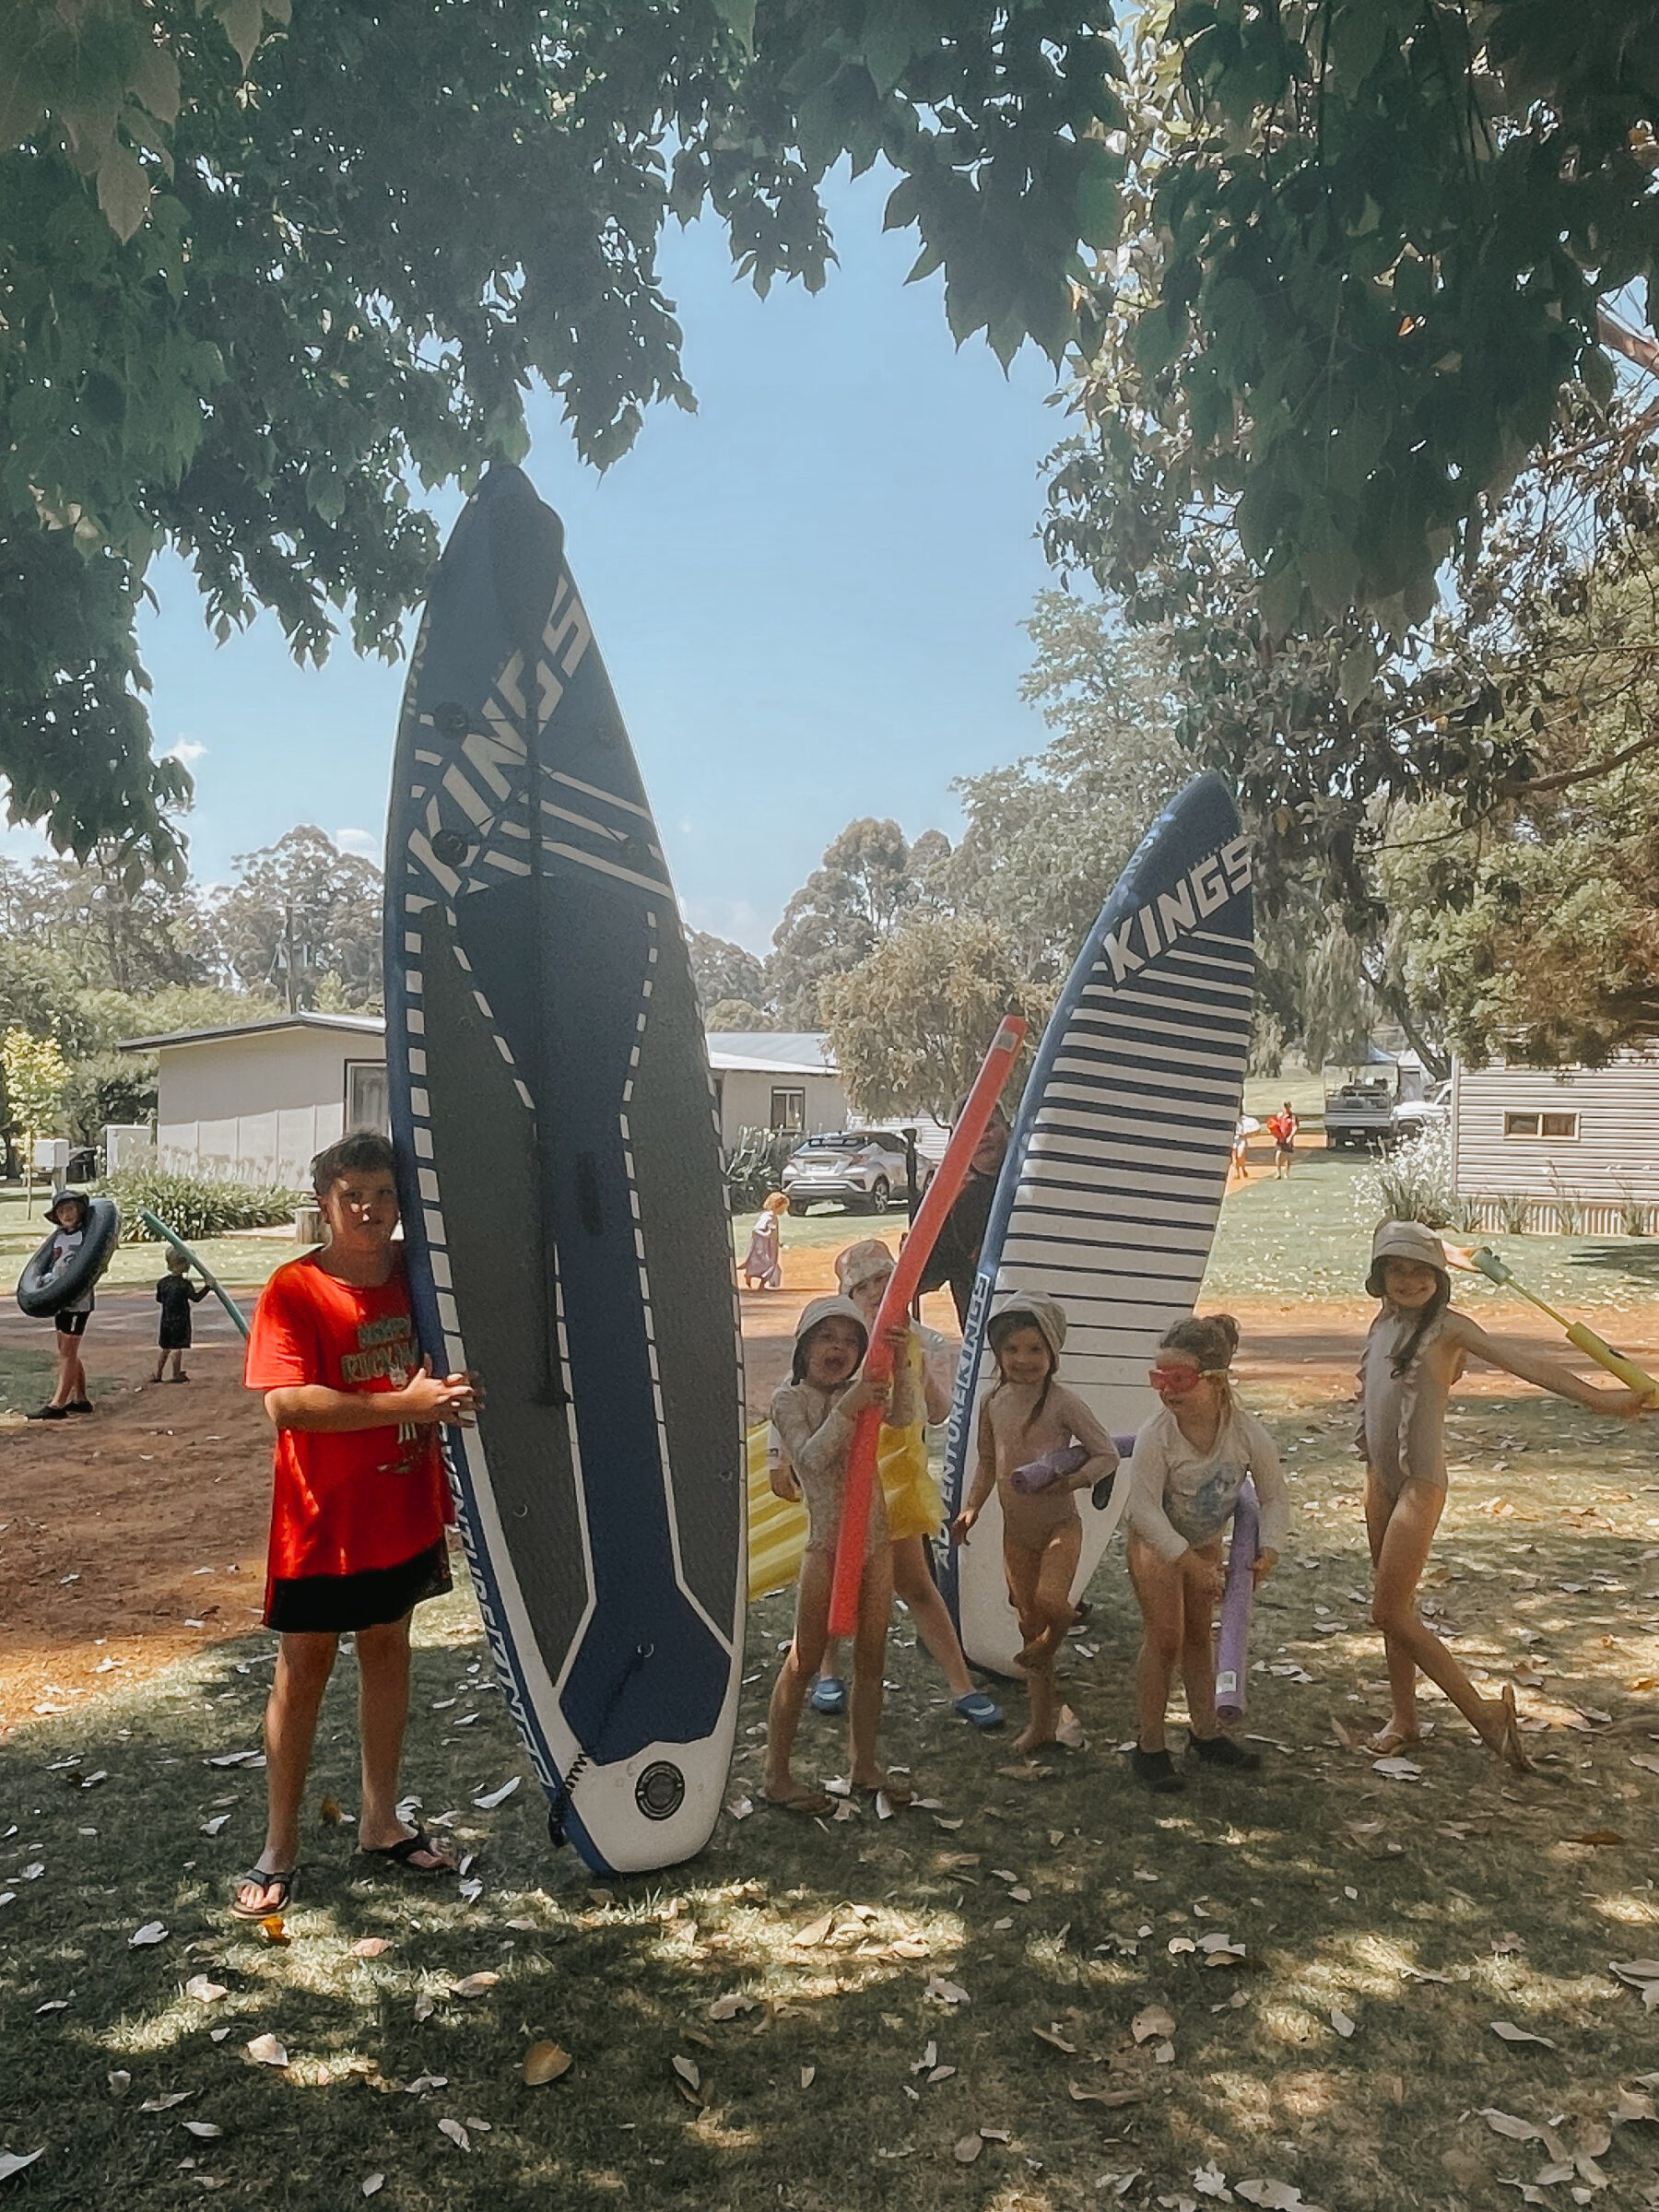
350	1500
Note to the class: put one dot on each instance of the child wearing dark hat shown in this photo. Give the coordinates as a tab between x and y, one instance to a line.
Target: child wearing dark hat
71	1211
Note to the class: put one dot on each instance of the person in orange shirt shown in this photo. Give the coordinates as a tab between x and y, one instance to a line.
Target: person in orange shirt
1282	1127
359	1509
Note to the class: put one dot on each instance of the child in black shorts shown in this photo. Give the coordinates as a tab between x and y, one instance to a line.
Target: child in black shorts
175	1294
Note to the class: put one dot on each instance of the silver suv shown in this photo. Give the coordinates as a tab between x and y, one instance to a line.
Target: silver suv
860	1169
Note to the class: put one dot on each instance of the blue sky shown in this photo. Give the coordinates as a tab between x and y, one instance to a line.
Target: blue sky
809	593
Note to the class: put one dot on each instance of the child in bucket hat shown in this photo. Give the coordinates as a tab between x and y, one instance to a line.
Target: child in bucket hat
1416	1350
815	1414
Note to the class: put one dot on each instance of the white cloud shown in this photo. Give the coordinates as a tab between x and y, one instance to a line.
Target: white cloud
359	840
186	751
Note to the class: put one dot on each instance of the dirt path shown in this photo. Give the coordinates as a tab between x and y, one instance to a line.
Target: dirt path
132	1537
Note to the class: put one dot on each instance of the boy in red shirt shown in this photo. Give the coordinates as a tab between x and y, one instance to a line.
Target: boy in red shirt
360	1506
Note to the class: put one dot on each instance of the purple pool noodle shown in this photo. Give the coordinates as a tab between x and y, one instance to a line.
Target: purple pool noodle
1054	1466
1233	1646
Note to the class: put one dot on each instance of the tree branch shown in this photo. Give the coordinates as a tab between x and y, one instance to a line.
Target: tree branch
1531	787
1633	344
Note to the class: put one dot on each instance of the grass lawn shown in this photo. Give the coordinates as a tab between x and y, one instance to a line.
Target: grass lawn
1309	1237
826	2017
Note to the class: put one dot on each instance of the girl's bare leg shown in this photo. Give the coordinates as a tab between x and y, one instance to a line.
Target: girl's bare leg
801	1662
1043	1621
916	1586
1402	1729
1198	1658
1162	1596
869	1660
1401	1554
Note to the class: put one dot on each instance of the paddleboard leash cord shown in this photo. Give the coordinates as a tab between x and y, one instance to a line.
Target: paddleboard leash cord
562	1797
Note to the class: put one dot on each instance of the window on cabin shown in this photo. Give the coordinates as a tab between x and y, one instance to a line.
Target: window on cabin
1541	1124
789	1112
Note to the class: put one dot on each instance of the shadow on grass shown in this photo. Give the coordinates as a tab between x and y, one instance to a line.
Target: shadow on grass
1339	1885
1634	1260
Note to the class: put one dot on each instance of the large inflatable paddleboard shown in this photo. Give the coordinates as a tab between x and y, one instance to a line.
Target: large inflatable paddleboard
1114	1172
561	1195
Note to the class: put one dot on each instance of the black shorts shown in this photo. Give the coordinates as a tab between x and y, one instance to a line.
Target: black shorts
176	1335
333	1604
72	1324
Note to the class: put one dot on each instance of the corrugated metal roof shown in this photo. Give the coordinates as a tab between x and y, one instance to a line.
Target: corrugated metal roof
360	1025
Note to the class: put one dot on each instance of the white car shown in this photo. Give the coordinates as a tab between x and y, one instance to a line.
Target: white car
1412	1117
860	1169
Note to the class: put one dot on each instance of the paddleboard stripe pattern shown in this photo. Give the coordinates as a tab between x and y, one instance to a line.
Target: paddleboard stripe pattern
1116	1166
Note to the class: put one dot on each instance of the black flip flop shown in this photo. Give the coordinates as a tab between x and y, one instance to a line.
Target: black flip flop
282	1877
403	1852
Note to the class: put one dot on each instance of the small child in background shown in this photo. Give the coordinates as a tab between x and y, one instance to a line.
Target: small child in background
1188	1466
815	1414
1415	1352
763	1262
1026	1426
175	1294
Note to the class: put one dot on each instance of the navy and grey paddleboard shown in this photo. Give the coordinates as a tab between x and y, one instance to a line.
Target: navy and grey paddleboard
561	1192
1114	1173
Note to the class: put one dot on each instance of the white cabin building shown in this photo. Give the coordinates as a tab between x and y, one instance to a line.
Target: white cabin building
1568	1151
257	1101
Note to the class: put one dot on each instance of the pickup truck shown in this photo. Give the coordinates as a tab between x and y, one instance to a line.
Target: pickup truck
1359	1113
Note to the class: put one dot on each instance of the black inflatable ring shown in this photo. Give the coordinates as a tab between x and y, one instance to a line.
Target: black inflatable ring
100	1234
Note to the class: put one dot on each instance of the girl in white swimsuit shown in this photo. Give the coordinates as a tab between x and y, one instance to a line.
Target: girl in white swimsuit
1416	1351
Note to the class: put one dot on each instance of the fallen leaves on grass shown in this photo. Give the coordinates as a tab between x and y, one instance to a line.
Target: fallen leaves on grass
204	2128
273	1928
166	2104
204	1991
266	2051
1507	2124
1342	2021
544	2063
1052	2037
492	1798
1113	2099
121	2081
690	2072
14	2161
728	2007
1604	1838
1398	1770
945	1993
332	1812
474	1985
456	2131
1507	2031
153	1931
369	1946
1152	2020
373	2184
967	2148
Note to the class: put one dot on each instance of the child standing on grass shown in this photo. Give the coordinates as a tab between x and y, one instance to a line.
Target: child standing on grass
814	1413
175	1294
1416	1351
1188	1468
914	1509
1030	1427
359	1507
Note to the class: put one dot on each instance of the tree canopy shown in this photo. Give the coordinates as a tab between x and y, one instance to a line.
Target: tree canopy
1325	267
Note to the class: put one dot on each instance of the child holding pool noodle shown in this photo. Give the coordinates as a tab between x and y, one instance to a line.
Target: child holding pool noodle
814	1413
175	1294
1186	1471
1415	1352
1027	1422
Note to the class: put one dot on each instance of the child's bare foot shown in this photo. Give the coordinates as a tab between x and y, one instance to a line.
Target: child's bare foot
1395	1738
892	1786
792	1796
1031	1738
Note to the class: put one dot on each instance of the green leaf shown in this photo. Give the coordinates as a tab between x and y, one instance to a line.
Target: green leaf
738	16
154	83
124	192
244	25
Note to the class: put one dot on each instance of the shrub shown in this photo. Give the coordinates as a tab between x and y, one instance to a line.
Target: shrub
1635	1218
1515	1212
196	1205
1413	1182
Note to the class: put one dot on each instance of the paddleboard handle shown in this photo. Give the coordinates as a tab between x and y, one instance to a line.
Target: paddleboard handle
1232	1644
894	1312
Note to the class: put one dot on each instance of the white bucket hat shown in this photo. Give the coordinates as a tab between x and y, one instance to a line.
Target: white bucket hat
1032	1306
1406	1240
862	1262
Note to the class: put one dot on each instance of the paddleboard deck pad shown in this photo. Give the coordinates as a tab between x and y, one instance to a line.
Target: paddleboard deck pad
1113	1176
562	1201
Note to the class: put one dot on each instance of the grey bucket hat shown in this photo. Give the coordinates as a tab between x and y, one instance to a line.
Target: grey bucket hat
1405	1240
1032	1306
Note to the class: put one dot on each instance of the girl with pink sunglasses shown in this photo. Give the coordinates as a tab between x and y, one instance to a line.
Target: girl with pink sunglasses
1189	1464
